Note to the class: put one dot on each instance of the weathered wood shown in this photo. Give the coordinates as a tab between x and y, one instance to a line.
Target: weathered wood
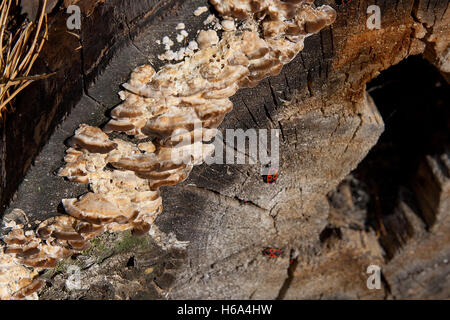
226	212
420	266
43	105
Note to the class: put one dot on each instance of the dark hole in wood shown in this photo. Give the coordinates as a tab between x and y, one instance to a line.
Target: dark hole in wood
413	99
130	262
330	232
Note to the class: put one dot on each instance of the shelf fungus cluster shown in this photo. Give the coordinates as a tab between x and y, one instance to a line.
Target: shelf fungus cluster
175	112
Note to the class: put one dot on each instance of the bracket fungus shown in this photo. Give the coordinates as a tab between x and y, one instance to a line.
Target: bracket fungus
179	107
17	281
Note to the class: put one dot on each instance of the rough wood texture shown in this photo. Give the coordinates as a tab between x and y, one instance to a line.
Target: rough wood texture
45	103
419	267
226	212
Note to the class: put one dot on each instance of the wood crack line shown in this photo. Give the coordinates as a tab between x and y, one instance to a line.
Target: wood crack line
234	201
354	134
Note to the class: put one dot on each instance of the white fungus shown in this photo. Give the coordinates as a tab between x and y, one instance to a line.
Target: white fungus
206	39
200	10
213	21
193	45
182	35
228	25
180	38
210	19
167	43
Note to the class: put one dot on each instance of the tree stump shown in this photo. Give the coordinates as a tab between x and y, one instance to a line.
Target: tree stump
227	214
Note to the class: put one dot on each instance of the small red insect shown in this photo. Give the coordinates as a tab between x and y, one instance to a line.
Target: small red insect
272	252
271	176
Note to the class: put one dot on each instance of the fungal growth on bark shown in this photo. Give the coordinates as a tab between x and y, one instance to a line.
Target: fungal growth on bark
179	109
17	281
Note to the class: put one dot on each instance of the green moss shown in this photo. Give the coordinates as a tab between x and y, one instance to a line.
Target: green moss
128	242
103	246
98	246
62	266
109	244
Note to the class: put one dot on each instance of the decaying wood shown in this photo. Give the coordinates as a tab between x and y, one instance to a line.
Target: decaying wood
419	247
227	213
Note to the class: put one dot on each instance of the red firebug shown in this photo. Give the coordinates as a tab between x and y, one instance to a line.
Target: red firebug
271	176
272	252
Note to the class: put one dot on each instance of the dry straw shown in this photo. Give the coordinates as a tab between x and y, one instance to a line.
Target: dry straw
19	50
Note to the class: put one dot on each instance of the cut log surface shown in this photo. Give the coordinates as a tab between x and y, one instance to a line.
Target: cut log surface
209	240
